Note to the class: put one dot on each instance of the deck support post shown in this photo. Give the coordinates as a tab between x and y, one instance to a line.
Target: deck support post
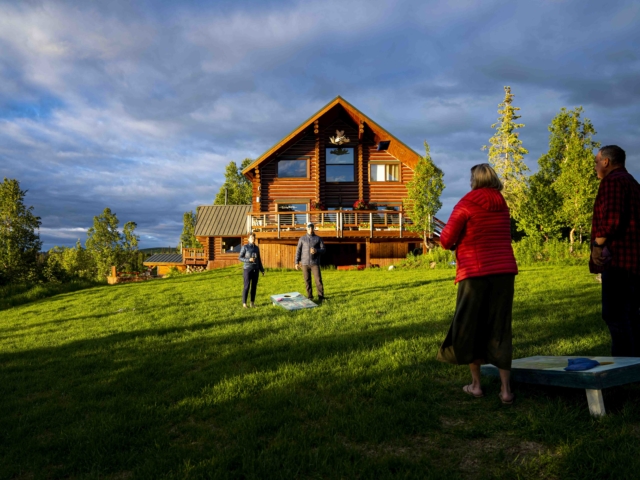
400	215
368	254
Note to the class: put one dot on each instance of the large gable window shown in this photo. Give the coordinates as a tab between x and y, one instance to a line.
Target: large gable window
293	167
384	172
340	164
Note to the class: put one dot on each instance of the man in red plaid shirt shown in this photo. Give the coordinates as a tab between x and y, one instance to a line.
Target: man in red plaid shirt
615	251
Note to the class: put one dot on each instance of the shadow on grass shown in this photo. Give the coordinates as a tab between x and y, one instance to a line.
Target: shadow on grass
177	401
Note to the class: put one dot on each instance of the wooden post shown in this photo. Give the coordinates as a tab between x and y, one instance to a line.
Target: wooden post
368	247
371	224
114	274
278	220
400	216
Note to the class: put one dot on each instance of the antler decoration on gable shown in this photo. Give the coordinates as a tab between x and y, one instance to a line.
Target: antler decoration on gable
339	139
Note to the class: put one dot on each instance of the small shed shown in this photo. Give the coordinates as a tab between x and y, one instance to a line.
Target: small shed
164	262
222	230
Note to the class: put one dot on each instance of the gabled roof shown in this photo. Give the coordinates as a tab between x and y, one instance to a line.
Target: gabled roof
164	258
222	220
397	148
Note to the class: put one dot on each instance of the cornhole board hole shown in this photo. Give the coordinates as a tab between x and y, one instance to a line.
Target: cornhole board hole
543	370
292	301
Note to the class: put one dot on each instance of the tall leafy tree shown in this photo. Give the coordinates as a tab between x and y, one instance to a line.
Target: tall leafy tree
130	247
104	242
423	195
506	154
577	182
236	187
188	238
19	241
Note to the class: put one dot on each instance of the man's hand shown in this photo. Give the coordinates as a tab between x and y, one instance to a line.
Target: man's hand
263	273
600	254
296	266
312	250
252	259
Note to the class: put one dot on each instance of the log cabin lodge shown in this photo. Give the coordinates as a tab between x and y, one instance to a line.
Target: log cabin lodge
316	174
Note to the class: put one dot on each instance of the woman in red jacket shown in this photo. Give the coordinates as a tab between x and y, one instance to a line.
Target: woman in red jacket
479	229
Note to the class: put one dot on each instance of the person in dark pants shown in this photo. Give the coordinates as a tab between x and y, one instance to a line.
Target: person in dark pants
615	249
310	247
250	256
479	229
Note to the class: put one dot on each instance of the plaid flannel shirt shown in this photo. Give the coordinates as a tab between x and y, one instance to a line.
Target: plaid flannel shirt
616	216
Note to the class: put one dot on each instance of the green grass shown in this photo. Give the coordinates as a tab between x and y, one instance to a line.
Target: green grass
171	379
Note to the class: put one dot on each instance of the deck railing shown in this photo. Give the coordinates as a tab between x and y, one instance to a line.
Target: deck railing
193	254
338	221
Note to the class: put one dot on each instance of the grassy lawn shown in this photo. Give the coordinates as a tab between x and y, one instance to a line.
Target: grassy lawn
171	379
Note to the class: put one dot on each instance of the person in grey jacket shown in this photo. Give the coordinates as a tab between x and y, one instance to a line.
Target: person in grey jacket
250	256
310	247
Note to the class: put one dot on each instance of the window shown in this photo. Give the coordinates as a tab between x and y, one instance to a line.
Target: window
293	167
384	172
298	219
340	166
231	244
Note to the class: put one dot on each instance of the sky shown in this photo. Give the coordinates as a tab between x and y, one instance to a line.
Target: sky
139	106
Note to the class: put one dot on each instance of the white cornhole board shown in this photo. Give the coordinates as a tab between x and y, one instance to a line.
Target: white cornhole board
292	301
547	370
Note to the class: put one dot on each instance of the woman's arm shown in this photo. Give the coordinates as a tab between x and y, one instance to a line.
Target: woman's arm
450	235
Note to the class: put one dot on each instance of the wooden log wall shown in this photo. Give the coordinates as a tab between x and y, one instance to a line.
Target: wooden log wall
344	193
273	188
385	254
277	255
312	143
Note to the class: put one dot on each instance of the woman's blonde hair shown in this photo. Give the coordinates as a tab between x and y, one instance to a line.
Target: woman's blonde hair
483	176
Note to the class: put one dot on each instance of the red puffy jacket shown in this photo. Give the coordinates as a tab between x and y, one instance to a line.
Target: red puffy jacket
479	228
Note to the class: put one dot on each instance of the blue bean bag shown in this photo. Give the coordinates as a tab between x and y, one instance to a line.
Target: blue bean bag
580	364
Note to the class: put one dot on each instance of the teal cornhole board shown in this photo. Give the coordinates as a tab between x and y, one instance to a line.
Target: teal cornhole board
292	301
548	370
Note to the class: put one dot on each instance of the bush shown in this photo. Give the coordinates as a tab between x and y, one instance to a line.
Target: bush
530	251
443	259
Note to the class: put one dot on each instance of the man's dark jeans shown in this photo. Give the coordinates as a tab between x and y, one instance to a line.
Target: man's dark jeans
251	276
621	311
307	270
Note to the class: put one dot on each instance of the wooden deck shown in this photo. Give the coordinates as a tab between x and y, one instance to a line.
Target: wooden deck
349	224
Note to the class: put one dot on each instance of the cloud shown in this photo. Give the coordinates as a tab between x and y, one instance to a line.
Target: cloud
139	106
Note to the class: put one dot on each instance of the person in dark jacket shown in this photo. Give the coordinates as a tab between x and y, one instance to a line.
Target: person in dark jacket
479	229
615	249
310	247
250	256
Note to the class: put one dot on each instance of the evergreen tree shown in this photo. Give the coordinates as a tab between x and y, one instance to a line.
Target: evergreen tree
188	238
19	241
236	186
506	154
423	196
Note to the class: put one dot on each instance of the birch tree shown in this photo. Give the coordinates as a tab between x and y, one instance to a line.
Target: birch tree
19	240
423	196
577	183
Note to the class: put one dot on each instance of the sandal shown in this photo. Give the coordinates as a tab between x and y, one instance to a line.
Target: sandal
467	389
506	402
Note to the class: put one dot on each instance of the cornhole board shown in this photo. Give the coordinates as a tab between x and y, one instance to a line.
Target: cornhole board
544	370
292	301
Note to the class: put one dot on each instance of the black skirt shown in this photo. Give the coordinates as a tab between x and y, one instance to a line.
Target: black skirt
481	328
